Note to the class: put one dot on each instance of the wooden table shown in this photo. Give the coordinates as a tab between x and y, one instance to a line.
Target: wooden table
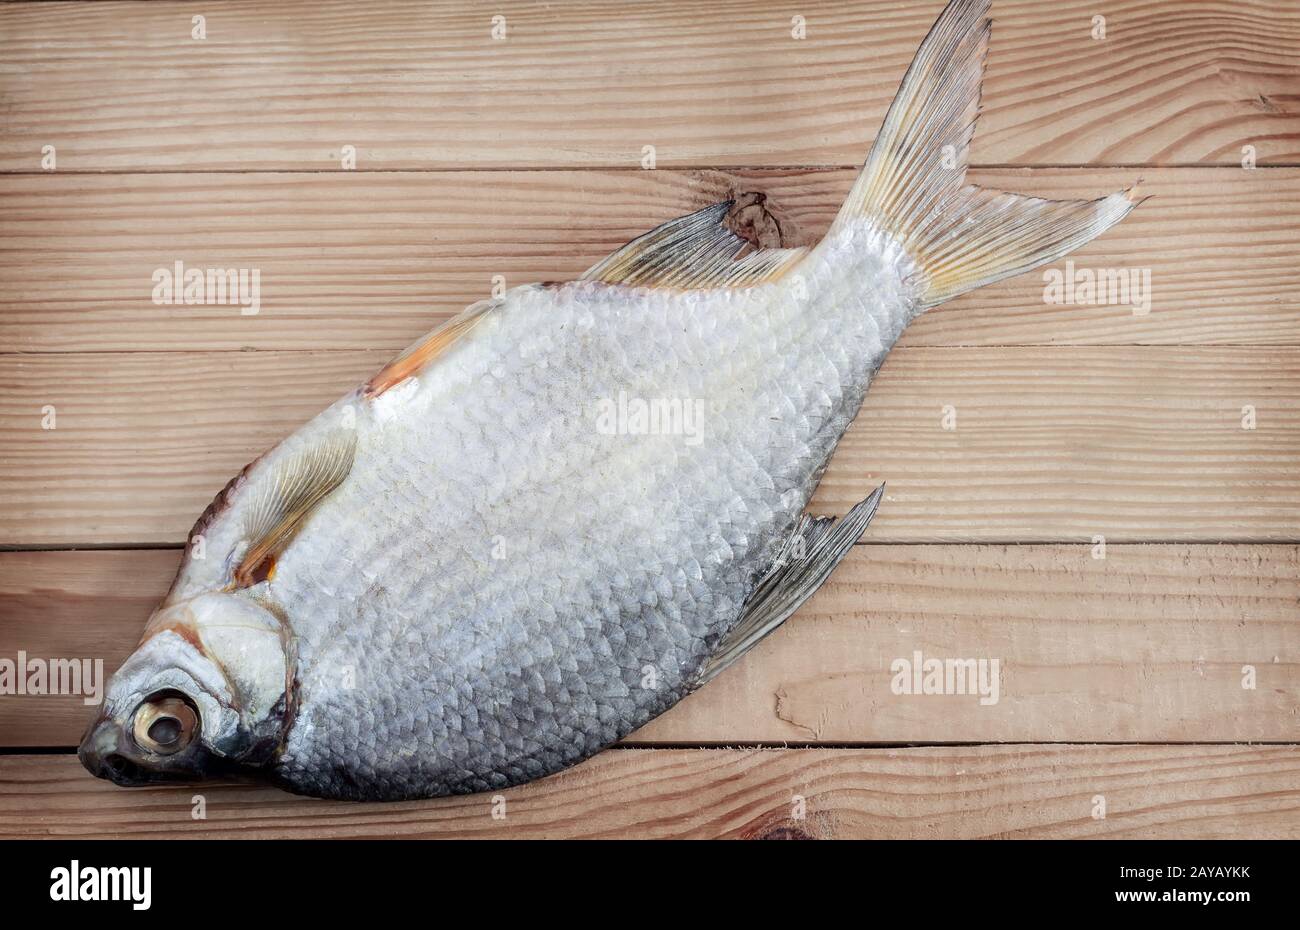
1125	706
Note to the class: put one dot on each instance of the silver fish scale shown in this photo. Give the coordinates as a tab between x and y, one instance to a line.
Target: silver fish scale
502	588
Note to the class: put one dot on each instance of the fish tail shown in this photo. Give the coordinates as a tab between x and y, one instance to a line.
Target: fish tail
913	185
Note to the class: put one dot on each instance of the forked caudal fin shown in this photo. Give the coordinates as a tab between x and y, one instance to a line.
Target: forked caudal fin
913	184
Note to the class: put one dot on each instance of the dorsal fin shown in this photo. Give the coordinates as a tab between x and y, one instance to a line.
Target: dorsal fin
693	251
283	496
430	347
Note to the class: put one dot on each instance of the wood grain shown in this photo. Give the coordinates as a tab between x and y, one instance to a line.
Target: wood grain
1146	645
1050	444
123	86
522	159
933	792
375	260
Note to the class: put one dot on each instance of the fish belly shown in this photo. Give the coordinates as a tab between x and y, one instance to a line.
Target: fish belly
546	533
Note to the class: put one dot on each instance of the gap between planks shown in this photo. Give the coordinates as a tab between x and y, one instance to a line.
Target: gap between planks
718	166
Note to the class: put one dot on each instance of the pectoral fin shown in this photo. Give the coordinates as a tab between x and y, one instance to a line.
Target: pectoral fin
283	496
806	560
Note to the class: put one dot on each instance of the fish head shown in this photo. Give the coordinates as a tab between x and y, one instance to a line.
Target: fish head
205	695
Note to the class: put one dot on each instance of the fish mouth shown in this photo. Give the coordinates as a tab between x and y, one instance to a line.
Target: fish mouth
106	753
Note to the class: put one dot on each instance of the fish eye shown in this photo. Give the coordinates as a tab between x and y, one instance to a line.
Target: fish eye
165	723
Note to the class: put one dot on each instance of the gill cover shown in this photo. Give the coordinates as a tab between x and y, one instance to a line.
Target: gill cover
207	692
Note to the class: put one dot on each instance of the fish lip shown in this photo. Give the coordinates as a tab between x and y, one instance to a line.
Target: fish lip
106	753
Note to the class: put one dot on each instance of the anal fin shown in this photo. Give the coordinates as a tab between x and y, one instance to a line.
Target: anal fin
807	559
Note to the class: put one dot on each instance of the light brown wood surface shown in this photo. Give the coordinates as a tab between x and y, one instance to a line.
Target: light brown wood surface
930	792
349	260
123	86
522	159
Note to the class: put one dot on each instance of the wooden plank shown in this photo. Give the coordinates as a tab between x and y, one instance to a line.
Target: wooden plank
375	260
1050	444
124	86
1147	645
72	605
139	436
962	792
